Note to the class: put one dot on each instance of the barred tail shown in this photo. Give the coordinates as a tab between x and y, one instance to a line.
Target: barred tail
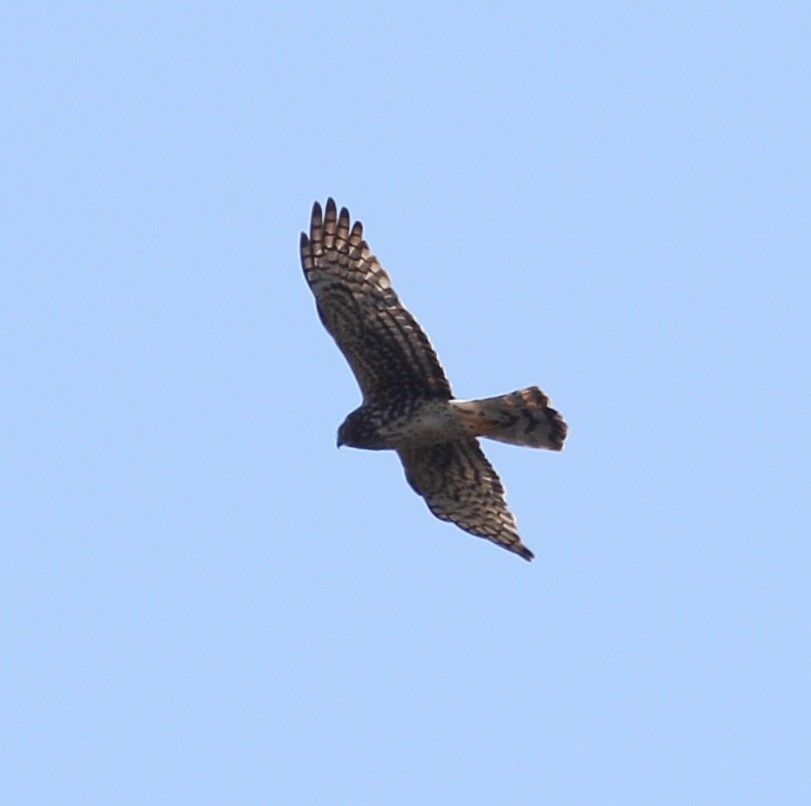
520	418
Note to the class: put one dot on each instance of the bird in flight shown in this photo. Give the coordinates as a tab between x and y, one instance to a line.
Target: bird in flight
407	403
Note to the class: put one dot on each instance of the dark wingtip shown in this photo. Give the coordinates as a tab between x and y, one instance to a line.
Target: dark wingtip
560	429
330	205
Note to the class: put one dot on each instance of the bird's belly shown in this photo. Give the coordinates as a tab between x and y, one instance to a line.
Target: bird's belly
429	424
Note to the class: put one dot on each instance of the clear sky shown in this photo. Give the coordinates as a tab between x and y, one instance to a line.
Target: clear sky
202	601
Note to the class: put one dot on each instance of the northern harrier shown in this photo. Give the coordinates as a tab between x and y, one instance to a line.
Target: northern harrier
407	401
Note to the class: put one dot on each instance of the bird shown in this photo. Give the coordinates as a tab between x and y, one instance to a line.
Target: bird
407	403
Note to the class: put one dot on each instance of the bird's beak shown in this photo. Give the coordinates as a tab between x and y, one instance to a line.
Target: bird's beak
339	442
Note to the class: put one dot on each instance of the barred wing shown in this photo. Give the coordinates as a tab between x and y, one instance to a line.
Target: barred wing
387	350
461	486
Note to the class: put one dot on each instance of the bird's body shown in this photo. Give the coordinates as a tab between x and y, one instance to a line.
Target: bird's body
407	401
413	423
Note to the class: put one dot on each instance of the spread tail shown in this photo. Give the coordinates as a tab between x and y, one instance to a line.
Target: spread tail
519	418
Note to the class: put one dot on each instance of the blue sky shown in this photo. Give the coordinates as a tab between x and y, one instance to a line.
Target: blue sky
203	601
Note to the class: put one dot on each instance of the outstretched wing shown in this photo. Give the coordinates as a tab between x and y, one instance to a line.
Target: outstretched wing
385	347
461	486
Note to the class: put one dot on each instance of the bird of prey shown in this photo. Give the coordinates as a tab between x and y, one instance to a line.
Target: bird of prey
407	402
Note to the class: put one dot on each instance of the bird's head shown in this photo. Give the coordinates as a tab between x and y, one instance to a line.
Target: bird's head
359	430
